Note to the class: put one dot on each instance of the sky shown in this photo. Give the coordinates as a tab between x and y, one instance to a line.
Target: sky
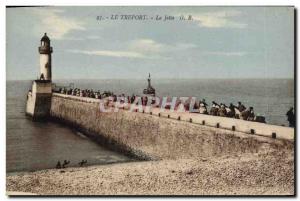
219	42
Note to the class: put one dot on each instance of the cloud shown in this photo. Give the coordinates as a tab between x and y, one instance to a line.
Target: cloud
226	53
91	37
146	45
141	48
219	19
149	45
53	22
72	39
109	53
184	46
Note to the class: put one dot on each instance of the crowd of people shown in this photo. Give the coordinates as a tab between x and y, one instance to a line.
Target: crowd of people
238	111
85	93
233	111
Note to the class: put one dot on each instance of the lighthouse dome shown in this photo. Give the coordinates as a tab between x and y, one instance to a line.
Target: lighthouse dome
45	38
45	47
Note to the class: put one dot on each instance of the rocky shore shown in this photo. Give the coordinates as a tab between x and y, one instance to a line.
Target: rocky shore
268	173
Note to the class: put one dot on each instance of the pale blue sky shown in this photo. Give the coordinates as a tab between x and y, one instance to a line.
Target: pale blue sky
220	42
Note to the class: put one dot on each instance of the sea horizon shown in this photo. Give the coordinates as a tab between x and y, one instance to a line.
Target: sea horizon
66	79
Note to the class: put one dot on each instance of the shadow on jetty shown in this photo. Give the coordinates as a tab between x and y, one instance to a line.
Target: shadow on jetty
106	142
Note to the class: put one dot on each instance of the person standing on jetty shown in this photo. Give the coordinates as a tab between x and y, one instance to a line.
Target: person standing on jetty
251	114
291	117
232	110
241	107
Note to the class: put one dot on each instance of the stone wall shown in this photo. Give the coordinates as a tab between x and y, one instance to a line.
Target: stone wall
149	136
39	100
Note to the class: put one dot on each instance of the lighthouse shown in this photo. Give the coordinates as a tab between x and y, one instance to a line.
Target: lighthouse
39	97
45	51
150	90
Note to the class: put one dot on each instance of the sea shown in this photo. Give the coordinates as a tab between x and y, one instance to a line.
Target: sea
34	146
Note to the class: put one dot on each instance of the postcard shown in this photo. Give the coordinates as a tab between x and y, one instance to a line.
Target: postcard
150	101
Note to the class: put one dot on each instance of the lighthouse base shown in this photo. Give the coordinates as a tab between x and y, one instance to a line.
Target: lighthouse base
39	100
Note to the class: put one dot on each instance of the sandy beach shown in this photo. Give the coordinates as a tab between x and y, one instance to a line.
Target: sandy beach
270	173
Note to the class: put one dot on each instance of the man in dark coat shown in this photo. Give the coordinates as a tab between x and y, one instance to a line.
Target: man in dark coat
42	77
291	117
241	107
232	110
222	110
251	115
